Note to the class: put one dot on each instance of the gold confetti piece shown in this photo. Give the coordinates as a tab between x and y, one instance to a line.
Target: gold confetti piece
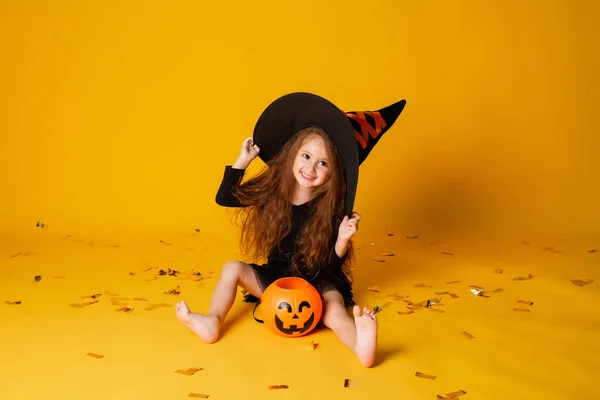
436	310
125	309
37	278
15	255
81	305
94	355
377	309
189	371
405	312
387	254
94	296
498	270
314	345
347	383
453	282
412	237
456	394
447	254
477	292
524	278
140	299
581	282
390	234
422	285
379	260
58	277
441	293
13	303
525	302
198	395
468	335
374	289
278	387
166	243
592	251
522	309
175	292
499	290
454	295
552	249
425	376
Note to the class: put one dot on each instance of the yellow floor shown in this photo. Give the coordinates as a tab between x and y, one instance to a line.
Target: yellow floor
548	352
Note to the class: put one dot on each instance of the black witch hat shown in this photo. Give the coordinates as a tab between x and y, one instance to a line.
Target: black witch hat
354	133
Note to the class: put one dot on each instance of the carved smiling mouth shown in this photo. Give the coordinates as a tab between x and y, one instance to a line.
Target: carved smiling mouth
294	328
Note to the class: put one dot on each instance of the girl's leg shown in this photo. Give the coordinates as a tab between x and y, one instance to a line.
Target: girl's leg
359	335
207	326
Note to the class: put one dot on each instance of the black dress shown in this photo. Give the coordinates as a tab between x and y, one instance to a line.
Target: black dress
279	265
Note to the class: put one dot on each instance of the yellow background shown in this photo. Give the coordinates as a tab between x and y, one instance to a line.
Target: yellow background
117	119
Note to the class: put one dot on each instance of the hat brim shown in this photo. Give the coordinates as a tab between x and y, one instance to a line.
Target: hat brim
287	115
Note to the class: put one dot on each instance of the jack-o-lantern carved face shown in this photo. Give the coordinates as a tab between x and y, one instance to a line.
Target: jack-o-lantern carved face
290	321
291	307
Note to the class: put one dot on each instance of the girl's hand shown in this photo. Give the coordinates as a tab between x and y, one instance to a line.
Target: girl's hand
247	154
249	150
348	227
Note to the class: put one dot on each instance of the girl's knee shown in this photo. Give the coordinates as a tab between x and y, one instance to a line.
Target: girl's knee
334	315
232	270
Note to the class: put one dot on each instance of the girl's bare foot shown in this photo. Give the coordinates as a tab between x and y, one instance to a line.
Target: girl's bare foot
205	326
366	336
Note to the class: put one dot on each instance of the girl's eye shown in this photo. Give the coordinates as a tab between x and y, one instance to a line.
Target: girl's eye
306	156
323	163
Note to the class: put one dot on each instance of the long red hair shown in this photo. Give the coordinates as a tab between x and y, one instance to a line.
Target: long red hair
267	219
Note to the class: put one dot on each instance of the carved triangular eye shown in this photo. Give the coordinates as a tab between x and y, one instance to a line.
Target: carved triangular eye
285	305
302	305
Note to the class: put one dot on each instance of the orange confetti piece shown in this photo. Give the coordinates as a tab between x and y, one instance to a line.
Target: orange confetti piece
422	285
189	371
348	383
425	376
198	395
451	283
94	355
446	253
468	335
522	309
581	282
272	387
13	303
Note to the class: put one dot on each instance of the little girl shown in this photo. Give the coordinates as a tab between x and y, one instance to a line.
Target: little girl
294	216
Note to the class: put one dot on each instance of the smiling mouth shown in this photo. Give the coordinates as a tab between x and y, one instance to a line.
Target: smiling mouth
308	177
293	329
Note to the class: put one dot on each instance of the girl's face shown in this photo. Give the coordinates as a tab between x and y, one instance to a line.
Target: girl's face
311	167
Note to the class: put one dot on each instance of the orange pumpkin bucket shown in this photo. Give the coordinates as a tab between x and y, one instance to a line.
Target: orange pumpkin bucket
291	307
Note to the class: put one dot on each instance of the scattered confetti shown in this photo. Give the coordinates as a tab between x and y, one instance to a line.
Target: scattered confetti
159	305
37	278
468	335
522	309
390	234
453	295
412	237
170	272
175	292
387	254
40	225
125	310
498	270
198	395
454	394
374	289
405	312
314	345
477	292
525	302
447	254
524	278
15	255
347	383
189	371
592	251
422	285
581	282
552	249
140	299
499	290
377	309
165	243
379	260
278	387
425	376
81	305
94	355
13	303
197	230
451	283
94	296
